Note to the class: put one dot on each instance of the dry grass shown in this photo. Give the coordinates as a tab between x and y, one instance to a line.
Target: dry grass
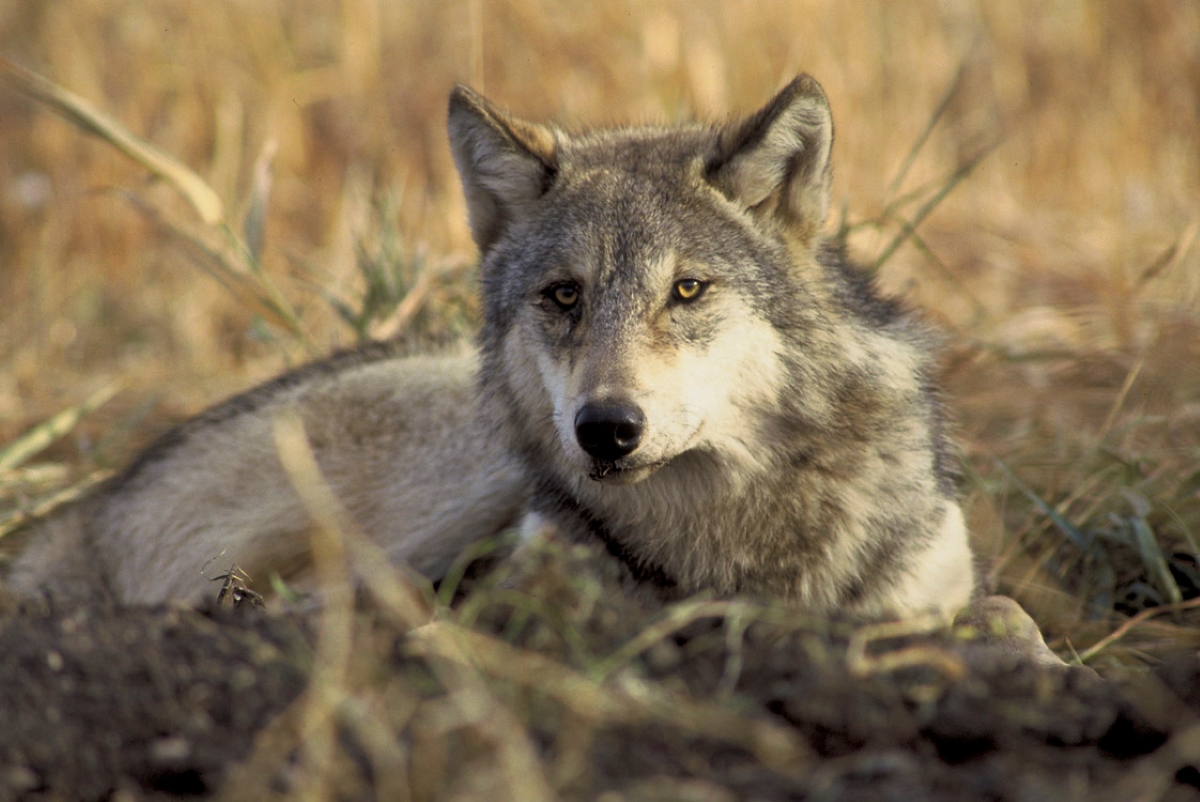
1065	267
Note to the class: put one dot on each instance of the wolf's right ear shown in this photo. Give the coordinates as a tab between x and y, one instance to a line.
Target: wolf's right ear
776	162
504	162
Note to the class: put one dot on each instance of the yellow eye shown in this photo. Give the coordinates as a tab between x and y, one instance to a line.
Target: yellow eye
565	295
688	289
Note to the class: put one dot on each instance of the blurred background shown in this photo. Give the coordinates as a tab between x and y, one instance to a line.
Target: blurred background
1027	172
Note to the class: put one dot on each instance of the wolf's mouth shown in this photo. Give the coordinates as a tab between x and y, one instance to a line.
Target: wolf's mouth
604	470
618	474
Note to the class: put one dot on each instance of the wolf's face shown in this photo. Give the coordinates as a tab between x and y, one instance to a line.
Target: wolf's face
637	280
645	344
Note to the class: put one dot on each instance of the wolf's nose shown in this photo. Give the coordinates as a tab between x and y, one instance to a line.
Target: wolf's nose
608	430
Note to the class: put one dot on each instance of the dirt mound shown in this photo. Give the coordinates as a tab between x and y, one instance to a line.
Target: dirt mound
565	690
155	702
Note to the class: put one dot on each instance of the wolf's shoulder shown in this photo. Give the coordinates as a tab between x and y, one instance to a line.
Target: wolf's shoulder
857	293
286	386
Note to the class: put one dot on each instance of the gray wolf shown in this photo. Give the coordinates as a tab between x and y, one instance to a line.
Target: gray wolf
675	362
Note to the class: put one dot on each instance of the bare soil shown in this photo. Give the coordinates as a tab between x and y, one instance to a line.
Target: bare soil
147	704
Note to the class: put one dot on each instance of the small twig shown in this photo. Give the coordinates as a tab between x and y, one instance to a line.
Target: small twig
1124	629
414	299
234	587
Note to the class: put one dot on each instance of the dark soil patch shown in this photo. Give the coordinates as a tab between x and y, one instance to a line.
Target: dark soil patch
156	702
166	703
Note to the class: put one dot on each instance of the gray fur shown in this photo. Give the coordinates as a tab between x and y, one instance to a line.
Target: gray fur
834	491
774	423
395	436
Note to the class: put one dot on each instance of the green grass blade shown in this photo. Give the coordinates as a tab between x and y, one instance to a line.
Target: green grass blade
47	505
1150	550
45	433
1081	539
908	228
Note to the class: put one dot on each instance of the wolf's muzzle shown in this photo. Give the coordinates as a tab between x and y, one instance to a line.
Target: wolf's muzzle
608	430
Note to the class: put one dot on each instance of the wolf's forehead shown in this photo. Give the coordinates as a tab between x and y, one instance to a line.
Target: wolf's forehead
645	150
628	205
631	208
613	225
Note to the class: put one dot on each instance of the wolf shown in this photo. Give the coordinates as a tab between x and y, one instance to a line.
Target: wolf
675	362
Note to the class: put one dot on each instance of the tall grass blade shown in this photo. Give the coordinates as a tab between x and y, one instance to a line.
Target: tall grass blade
90	119
1081	539
45	433
908	228
1150	550
930	124
254	226
254	289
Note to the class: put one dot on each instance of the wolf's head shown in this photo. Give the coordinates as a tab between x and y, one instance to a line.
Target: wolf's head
638	282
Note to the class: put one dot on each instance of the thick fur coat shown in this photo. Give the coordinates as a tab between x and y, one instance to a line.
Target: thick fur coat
674	362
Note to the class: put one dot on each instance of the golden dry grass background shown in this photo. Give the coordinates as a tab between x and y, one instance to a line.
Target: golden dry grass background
1065	268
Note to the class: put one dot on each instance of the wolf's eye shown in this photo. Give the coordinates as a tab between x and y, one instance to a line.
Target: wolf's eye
688	289
565	295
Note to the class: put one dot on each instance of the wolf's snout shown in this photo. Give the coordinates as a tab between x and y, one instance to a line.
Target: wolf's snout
608	430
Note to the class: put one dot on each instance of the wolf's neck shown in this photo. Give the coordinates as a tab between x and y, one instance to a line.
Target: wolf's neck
797	533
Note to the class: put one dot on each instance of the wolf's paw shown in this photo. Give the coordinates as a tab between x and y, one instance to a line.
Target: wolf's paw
998	626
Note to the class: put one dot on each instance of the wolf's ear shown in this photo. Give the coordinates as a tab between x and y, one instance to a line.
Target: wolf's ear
776	162
504	162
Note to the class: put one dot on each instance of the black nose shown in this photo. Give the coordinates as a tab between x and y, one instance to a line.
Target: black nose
608	430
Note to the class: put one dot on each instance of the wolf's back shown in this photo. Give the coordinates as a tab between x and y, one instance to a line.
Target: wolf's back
57	559
397	441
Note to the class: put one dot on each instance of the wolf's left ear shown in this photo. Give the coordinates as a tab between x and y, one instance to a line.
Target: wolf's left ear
776	162
504	163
